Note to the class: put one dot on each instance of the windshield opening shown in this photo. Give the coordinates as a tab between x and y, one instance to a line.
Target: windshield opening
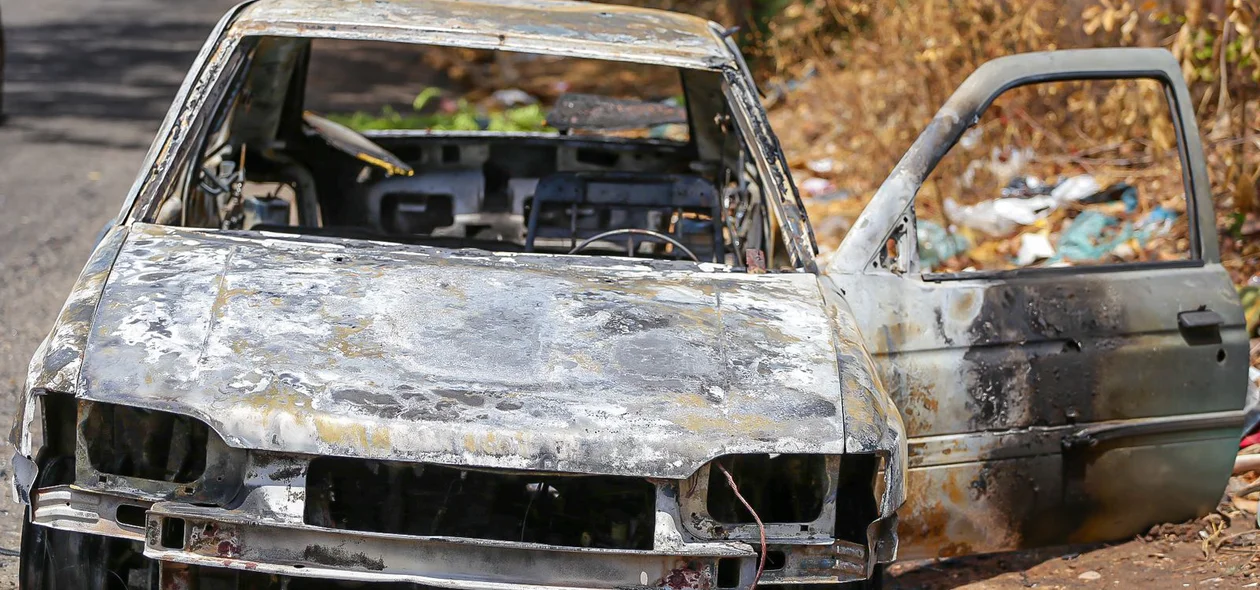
520	153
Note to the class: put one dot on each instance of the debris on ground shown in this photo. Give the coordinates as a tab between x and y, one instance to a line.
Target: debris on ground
1220	550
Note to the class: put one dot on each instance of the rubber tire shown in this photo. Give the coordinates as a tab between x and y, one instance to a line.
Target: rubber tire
58	560
53	560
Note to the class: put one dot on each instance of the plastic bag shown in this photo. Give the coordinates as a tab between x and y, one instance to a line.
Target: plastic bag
936	244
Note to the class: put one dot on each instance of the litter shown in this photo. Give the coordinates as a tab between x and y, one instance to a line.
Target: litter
1159	221
1086	238
1120	191
1251	412
999	217
814	186
1033	247
1026	186
1075	188
821	166
936	244
1028	201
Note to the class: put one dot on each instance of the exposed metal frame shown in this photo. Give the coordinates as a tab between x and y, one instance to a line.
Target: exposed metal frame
877	223
213	67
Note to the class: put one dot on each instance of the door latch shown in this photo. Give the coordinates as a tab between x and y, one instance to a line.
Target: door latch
1202	326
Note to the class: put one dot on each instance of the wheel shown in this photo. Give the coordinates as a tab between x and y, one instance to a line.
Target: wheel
55	560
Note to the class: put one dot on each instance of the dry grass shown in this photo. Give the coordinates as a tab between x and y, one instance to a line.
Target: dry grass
855	81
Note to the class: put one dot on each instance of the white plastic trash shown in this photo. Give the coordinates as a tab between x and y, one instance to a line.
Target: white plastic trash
999	217
1033	247
1075	189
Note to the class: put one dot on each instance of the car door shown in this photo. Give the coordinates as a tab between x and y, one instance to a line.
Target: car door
1050	405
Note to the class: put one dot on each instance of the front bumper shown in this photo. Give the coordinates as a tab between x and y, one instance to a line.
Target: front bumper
296	516
179	535
214	538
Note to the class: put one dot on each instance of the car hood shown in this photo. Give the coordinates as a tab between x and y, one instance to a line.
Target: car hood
383	351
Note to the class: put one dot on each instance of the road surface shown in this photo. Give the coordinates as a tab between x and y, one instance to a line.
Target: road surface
87	84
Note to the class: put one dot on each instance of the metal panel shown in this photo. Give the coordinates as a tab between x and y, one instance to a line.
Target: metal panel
1034	399
578	29
221	539
609	366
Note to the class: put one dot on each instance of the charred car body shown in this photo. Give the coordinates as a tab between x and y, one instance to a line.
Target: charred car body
557	360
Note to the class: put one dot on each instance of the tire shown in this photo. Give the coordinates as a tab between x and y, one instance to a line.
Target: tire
53	559
58	560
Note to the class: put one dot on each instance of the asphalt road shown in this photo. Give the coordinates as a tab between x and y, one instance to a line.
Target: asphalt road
86	85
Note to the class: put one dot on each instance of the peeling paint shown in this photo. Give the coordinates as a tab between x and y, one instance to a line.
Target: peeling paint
350	362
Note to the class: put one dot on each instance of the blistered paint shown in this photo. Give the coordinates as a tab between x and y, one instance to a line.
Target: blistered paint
579	29
395	352
58	359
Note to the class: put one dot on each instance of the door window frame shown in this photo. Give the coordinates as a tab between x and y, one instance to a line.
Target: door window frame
890	214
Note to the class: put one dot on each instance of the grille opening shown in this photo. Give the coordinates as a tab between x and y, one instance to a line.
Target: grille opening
432	500
132	516
775	560
785	488
172	536
132	442
728	572
857	504
59	417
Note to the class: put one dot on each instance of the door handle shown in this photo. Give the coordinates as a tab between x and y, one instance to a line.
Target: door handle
1202	326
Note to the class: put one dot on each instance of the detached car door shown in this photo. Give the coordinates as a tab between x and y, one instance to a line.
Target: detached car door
1086	390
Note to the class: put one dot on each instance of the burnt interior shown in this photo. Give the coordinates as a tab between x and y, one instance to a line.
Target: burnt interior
616	179
433	500
133	442
782	488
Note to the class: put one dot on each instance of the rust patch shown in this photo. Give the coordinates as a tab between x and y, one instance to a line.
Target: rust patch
215	539
688	577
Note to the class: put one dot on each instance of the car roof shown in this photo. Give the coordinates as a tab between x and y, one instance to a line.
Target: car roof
557	27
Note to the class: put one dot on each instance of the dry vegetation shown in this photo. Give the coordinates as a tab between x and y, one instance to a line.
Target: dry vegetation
855	81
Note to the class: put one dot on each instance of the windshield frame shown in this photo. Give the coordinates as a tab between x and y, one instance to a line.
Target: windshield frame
224	56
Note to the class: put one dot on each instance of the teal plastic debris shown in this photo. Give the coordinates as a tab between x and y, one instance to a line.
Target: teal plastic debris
1086	238
936	244
1091	235
1130	198
1157	216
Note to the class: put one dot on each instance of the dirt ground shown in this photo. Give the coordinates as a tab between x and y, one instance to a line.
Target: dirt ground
87	84
1215	552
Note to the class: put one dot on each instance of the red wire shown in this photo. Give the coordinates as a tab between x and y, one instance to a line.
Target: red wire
730	481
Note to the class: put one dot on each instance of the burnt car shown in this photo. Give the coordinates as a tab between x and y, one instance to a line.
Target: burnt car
605	353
